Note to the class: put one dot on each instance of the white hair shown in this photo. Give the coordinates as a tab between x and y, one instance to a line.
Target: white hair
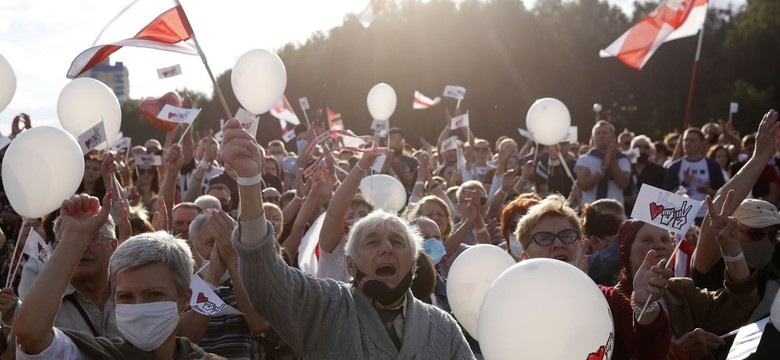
151	248
381	218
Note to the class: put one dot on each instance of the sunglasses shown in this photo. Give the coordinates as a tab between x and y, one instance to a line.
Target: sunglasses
545	238
145	171
758	234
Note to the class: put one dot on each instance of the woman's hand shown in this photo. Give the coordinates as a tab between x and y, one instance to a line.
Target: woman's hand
650	280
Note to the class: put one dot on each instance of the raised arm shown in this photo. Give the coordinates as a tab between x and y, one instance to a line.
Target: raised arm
333	224
81	216
173	163
707	252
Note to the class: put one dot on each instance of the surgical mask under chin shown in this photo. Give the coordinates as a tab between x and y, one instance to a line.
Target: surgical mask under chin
379	291
302	145
435	249
147	325
758	253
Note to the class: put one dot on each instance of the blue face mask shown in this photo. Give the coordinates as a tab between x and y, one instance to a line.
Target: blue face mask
302	145
435	249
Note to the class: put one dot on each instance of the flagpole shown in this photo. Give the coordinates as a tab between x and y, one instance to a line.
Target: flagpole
693	79
206	64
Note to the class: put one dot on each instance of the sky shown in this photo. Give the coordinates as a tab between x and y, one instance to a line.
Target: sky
40	38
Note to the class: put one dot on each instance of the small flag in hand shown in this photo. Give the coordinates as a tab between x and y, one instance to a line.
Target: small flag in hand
455	92
423	102
169	71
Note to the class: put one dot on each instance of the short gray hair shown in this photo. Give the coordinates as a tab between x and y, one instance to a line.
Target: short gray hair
151	248
381	218
108	228
196	224
208	202
471	184
640	138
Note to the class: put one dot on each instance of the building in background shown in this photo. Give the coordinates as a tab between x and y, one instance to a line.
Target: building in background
115	76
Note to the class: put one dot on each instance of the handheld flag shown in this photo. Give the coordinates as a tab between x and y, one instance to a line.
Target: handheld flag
283	111
423	102
169	71
334	120
671	20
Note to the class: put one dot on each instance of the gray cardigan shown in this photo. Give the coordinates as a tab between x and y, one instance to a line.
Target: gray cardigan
327	319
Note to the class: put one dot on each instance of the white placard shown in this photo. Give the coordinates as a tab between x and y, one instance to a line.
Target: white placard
379	162
169	71
93	137
248	120
380	125
450	143
459	121
178	115
122	143
35	247
288	135
747	340
455	92
734	107
204	300
665	209
147	160
304	103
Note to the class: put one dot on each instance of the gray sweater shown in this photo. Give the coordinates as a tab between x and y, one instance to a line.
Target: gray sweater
327	319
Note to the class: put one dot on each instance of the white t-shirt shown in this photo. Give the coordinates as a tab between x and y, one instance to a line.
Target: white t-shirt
61	347
593	164
701	177
332	264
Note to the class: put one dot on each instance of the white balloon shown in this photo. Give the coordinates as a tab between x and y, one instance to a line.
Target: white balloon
466	287
545	309
259	78
383	192
81	105
548	120
7	83
381	101
42	167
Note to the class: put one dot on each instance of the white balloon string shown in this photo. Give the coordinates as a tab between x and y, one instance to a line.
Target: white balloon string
13	256
671	259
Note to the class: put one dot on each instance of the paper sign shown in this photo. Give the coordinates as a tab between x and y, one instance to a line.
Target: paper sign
524	133
379	125
248	120
459	121
169	71
747	340
734	107
572	136
450	143
379	162
461	161
203	299
665	209
350	141
455	92
147	160
122	143
35	247
4	141
93	137
304	103
178	115
288	135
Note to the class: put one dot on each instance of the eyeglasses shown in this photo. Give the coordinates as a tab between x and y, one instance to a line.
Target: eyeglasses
545	238
758	234
98	238
145	171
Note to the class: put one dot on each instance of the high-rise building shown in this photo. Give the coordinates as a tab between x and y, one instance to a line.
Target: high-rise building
115	76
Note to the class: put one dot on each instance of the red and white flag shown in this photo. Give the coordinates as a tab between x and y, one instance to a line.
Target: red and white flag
334	120
283	111
423	102
673	19
371	12
152	24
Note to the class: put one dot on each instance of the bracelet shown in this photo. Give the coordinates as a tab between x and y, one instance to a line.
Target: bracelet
481	230
638	308
736	258
419	182
357	165
249	181
203	164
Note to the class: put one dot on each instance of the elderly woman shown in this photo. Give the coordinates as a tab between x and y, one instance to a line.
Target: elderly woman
552	230
697	316
150	277
375	317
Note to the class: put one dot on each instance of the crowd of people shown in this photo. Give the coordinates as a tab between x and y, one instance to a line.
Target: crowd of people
314	270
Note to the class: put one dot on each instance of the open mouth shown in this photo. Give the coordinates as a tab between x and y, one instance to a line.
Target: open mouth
385	270
87	258
562	257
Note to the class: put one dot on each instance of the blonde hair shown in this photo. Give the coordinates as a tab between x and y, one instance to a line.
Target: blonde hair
553	205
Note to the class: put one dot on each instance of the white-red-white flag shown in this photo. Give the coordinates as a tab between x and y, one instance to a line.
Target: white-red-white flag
152	24
367	16
284	112
671	20
423	102
334	120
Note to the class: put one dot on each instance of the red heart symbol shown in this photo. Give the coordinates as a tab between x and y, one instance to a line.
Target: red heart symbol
655	210
151	107
40	247
171	115
598	355
202	298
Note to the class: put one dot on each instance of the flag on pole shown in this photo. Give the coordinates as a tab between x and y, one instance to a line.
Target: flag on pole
334	120
169	71
455	92
283	111
367	16
93	137
35	247
671	20
152	24
733	107
423	102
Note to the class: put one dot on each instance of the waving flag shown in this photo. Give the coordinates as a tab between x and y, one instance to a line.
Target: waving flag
284	112
334	120
673	19
367	16
423	102
144	23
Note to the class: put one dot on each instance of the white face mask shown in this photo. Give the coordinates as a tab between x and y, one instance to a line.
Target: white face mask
147	325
